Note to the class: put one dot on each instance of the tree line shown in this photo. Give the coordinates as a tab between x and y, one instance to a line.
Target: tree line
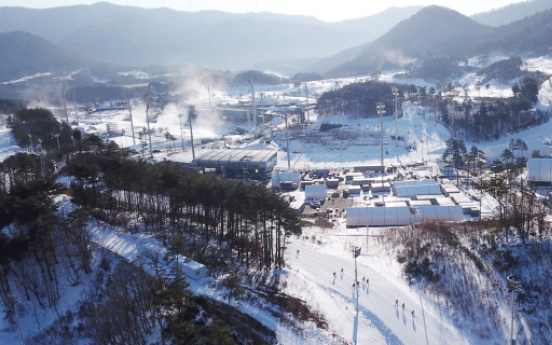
46	245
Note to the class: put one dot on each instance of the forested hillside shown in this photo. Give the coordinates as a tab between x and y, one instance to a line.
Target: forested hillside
45	247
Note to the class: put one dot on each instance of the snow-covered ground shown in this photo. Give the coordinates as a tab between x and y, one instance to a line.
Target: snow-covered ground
310	265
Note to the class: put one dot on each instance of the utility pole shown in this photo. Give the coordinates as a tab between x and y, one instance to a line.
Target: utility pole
253	108
380	109
367	238
287	141
131	121
396	94
356	253
306	103
181	134
262	112
65	104
209	92
149	131
191	110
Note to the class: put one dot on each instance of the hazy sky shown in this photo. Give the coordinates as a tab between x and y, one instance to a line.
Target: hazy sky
328	10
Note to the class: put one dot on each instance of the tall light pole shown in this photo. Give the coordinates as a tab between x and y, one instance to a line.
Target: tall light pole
414	211
356	253
41	157
380	109
131	121
514	286
191	110
287	141
396	94
65	104
262	112
181	134
253	107
149	131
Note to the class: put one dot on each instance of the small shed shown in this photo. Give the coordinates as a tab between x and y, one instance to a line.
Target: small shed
192	269
332	183
353	190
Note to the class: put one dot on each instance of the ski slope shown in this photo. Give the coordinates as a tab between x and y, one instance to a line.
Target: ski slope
380	321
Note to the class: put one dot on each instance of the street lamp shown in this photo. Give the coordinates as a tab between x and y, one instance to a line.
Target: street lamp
514	286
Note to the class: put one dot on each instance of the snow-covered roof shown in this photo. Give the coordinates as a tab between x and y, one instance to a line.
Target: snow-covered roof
401	215
236	158
294	177
412	191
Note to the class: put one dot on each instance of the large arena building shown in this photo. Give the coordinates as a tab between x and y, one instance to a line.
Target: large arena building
254	164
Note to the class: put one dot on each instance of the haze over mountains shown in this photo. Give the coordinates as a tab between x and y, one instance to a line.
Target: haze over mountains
130	36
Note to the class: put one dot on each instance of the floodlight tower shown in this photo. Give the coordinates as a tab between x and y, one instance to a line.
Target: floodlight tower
149	131
396	94
65	104
380	108
513	286
191	110
131	121
181	134
287	141
262	112
356	254
253	104
306	103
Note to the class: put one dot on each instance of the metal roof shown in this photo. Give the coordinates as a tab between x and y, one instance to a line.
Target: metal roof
236	158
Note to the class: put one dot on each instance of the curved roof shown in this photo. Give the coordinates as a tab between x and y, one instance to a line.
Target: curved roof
236	158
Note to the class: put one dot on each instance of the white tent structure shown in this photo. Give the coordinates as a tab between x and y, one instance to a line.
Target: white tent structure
401	215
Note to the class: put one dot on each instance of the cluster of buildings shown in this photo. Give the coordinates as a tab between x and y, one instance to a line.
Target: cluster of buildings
378	201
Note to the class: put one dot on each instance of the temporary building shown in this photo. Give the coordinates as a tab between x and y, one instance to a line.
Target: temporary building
439	213
315	192
283	177
396	216
416	203
378	216
379	187
412	191
410	183
449	188
411	188
192	269
353	189
349	177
